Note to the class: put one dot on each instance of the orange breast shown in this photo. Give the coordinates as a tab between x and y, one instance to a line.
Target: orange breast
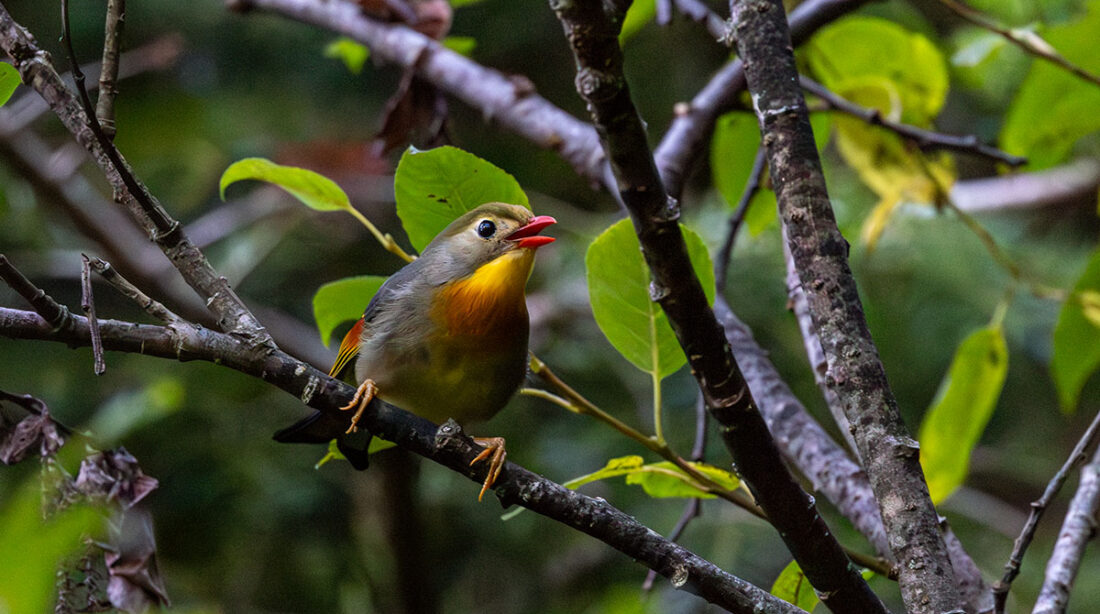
489	304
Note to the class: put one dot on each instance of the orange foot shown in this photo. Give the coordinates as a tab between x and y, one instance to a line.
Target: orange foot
362	398
494	451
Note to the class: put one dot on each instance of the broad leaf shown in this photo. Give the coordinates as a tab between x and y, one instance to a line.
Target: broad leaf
623	465
1077	337
462	45
618	288
314	190
353	54
638	15
377	444
962	408
793	587
343	300
1054	108
9	80
732	153
435	186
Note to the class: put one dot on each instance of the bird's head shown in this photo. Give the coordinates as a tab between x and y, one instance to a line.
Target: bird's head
483	235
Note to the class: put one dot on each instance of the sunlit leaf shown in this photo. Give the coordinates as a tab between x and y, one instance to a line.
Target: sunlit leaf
462	45
793	587
855	53
638	15
377	444
353	54
618	288
1054	108
963	406
435	186
1077	337
659	480
343	300
314	190
32	548
9	80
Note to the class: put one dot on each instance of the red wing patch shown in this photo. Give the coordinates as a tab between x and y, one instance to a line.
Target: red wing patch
349	349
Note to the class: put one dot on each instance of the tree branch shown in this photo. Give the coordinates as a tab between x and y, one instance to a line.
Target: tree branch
889	454
1077	529
444	445
508	101
1012	567
684	140
924	139
108	73
37	71
592	30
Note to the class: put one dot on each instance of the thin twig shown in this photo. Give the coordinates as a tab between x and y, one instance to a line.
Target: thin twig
87	304
54	313
924	139
108	74
132	292
752	186
1077	529
1012	567
1024	39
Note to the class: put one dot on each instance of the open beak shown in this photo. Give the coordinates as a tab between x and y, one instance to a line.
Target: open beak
528	234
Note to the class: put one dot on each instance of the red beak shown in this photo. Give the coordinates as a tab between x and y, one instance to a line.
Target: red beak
527	235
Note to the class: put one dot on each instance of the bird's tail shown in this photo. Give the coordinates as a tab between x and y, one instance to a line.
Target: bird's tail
321	427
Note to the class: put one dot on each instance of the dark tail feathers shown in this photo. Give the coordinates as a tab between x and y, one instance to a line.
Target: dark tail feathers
320	427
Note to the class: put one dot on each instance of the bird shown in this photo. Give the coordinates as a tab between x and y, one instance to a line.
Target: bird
444	337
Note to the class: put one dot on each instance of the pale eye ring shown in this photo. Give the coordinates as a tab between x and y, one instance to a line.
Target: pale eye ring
486	229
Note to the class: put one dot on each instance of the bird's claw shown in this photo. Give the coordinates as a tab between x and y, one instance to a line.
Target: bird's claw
363	396
494	451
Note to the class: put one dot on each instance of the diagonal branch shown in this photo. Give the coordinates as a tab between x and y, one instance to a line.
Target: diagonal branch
37	71
924	139
592	29
444	445
889	454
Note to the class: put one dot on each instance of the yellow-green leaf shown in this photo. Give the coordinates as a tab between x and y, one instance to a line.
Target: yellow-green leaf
9	80
462	45
1077	337
615	467
343	300
659	480
793	587
377	444
314	190
638	15
618	288
963	406
353	54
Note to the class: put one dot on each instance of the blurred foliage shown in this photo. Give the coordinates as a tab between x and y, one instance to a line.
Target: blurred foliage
245	525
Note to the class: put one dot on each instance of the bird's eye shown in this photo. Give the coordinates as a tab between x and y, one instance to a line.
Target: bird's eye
486	229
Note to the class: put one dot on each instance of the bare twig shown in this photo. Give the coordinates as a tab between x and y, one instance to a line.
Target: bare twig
752	186
1077	529
87	304
1012	567
108	74
1072	183
889	454
37	71
132	292
1023	39
57	315
444	445
924	139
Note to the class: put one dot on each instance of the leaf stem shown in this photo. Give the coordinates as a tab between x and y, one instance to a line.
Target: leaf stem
386	240
658	430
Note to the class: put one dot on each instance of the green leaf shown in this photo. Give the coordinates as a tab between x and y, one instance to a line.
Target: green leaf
342	300
353	54
732	153
638	15
377	444
1077	337
435	186
1054	109
461	3
618	287
32	548
314	190
962	408
130	410
853	53
659	480
793	587
462	45
9	80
